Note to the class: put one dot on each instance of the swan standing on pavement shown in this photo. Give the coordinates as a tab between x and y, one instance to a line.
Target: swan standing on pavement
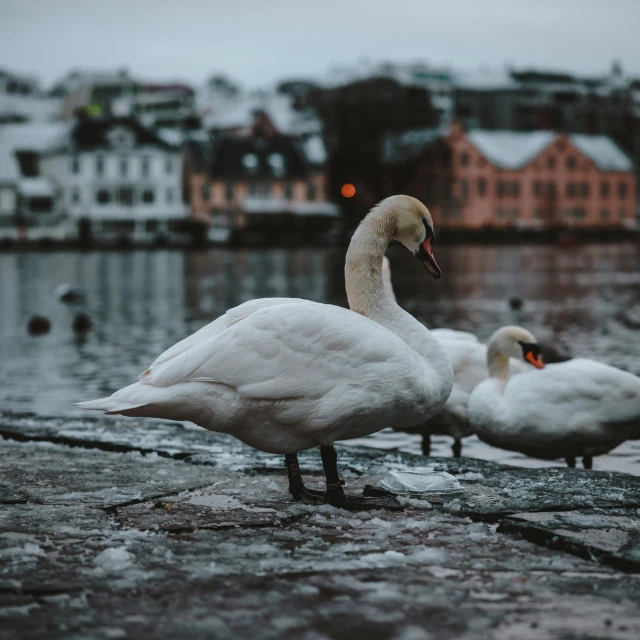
580	408
287	375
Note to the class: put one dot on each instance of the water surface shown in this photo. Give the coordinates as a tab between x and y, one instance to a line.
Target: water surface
144	301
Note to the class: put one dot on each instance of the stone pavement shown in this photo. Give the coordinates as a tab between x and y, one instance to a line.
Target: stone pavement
125	528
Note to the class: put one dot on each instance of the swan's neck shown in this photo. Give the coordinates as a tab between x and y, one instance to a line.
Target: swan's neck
367	294
498	363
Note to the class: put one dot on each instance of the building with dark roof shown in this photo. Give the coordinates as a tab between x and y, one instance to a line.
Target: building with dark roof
264	182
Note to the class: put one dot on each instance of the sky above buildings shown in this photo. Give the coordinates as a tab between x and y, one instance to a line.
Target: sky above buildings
258	41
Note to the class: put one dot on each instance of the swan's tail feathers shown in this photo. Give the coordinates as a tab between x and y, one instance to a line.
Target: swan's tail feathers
124	401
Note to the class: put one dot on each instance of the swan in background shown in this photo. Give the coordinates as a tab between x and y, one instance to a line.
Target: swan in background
287	375
580	408
468	357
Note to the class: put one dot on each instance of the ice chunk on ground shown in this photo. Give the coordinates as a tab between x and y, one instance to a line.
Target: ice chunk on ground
114	559
416	484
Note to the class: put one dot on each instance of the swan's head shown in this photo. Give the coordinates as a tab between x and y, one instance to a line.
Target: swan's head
515	342
414	229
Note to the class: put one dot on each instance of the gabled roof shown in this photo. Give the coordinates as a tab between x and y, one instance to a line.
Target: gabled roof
516	149
603	152
259	157
92	133
510	149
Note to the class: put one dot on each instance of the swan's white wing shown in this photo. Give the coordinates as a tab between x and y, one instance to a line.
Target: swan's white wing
296	350
218	326
576	393
469	361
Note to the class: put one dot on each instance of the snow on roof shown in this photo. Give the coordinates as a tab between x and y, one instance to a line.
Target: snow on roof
314	150
40	187
603	151
401	147
32	136
229	112
173	137
510	149
36	108
484	79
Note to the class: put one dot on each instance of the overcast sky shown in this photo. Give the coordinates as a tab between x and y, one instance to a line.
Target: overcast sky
257	41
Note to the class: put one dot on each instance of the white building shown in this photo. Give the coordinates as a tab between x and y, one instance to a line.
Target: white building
22	100
119	179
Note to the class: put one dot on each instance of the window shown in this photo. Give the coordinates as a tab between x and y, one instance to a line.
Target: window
622	190
571	163
100	166
124	166
622	213
151	225
144	166
75	196
464	189
125	196
537	188
551	162
276	162
482	186
604	214
250	162
103	196
266	189
205	192
169	195
604	189
41	205
169	165
571	190
148	196
551	189
311	191
515	189
464	159
288	190
500	189
228	190
579	213
75	165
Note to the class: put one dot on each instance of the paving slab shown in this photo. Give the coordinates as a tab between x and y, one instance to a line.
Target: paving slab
145	542
612	537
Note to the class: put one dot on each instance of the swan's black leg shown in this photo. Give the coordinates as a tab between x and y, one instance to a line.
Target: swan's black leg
571	462
296	485
336	495
456	447
587	462
426	444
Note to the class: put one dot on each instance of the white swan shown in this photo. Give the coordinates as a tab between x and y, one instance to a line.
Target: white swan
576	408
286	375
468	357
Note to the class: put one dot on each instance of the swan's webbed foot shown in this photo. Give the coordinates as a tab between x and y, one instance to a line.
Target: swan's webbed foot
297	488
336	496
571	462
587	462
456	447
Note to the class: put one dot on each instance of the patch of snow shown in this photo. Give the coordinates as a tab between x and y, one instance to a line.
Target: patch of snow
510	149
603	152
114	559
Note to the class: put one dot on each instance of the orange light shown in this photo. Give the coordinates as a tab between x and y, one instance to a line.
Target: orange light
348	190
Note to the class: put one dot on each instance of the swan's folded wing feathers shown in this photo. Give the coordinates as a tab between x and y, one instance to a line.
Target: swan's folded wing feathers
583	391
282	352
215	328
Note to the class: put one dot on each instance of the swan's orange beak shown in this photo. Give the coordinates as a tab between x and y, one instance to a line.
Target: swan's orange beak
536	361
426	257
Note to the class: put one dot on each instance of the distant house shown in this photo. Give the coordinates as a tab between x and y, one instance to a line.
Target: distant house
263	184
119	179
22	100
539	179
30	204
